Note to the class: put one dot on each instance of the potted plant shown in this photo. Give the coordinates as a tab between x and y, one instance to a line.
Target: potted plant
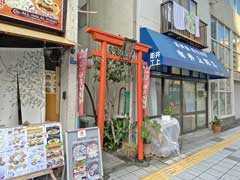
149	130
169	111
131	150
216	125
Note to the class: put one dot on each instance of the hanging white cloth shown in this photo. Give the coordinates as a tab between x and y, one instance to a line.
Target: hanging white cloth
31	72
179	16
8	88
197	33
26	65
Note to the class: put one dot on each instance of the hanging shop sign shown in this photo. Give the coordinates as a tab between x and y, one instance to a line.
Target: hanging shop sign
82	66
47	13
25	150
84	156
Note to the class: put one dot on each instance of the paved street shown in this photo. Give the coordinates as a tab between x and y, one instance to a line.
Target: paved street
217	160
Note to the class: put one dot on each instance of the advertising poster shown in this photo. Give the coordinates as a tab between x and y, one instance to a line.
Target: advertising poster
36	148
79	160
17	163
16	138
50	82
2	140
3	168
47	13
54	146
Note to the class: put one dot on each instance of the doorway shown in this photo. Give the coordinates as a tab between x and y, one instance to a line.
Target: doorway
190	101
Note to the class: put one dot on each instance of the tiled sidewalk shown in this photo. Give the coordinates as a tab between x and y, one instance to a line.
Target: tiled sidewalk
222	164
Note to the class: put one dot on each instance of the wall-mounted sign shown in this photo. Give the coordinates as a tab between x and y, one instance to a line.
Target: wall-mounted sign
47	13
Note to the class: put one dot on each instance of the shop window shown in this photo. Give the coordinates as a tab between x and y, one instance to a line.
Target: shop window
82	17
185	72
195	74
222	104
193	7
203	76
176	71
228	103
155	97
214	47
188	97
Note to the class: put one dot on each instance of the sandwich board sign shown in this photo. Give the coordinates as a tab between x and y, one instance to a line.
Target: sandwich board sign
84	155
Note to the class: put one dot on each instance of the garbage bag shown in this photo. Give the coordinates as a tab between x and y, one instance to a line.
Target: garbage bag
167	143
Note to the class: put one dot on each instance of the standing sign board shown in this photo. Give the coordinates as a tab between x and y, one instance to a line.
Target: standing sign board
25	150
47	13
84	156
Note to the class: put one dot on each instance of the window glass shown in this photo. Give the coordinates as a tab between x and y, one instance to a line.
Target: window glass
228	103
226	37
82	17
234	41
238	62
154	98
176	70
233	4
214	47
201	120
222	84
228	84
226	1
220	33
193	7
185	4
238	43
172	93
188	97
234	61
185	72
215	103
195	74
222	103
201	97
227	57
213	28
238	6
189	123
221	53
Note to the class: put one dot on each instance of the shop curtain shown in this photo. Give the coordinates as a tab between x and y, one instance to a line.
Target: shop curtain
28	67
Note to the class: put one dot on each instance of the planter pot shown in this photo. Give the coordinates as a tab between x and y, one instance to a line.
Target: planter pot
147	149
216	129
131	153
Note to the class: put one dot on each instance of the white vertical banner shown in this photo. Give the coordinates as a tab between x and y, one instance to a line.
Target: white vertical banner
146	83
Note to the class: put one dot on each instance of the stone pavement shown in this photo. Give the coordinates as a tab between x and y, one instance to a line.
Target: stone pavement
194	163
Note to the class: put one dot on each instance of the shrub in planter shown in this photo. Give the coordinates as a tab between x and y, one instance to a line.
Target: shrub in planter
130	150
216	125
149	130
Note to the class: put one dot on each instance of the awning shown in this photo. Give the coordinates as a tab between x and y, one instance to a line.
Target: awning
27	33
171	52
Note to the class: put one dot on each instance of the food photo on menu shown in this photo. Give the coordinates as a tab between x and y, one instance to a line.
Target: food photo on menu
93	170
3	169
16	138
54	146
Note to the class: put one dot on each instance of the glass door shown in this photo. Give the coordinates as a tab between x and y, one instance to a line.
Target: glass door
201	105
189	106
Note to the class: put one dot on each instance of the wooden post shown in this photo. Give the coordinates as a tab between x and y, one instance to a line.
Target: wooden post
139	104
102	89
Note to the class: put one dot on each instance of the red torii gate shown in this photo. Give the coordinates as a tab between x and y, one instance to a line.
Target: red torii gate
106	38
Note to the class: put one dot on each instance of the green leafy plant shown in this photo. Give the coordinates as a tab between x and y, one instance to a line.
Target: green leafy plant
131	149
149	130
115	132
216	121
170	110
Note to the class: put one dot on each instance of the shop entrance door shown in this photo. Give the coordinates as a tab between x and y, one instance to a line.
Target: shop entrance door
190	100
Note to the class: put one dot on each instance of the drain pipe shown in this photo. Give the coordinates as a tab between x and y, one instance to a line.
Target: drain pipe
133	83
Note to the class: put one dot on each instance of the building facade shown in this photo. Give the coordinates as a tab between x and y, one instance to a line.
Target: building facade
197	98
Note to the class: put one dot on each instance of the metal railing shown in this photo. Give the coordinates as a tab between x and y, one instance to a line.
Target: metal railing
167	27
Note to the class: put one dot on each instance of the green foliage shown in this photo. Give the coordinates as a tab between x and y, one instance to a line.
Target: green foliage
170	110
216	121
149	130
121	131
116	71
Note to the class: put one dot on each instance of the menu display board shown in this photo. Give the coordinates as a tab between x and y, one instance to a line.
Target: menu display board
26	150
54	146
47	13
84	157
